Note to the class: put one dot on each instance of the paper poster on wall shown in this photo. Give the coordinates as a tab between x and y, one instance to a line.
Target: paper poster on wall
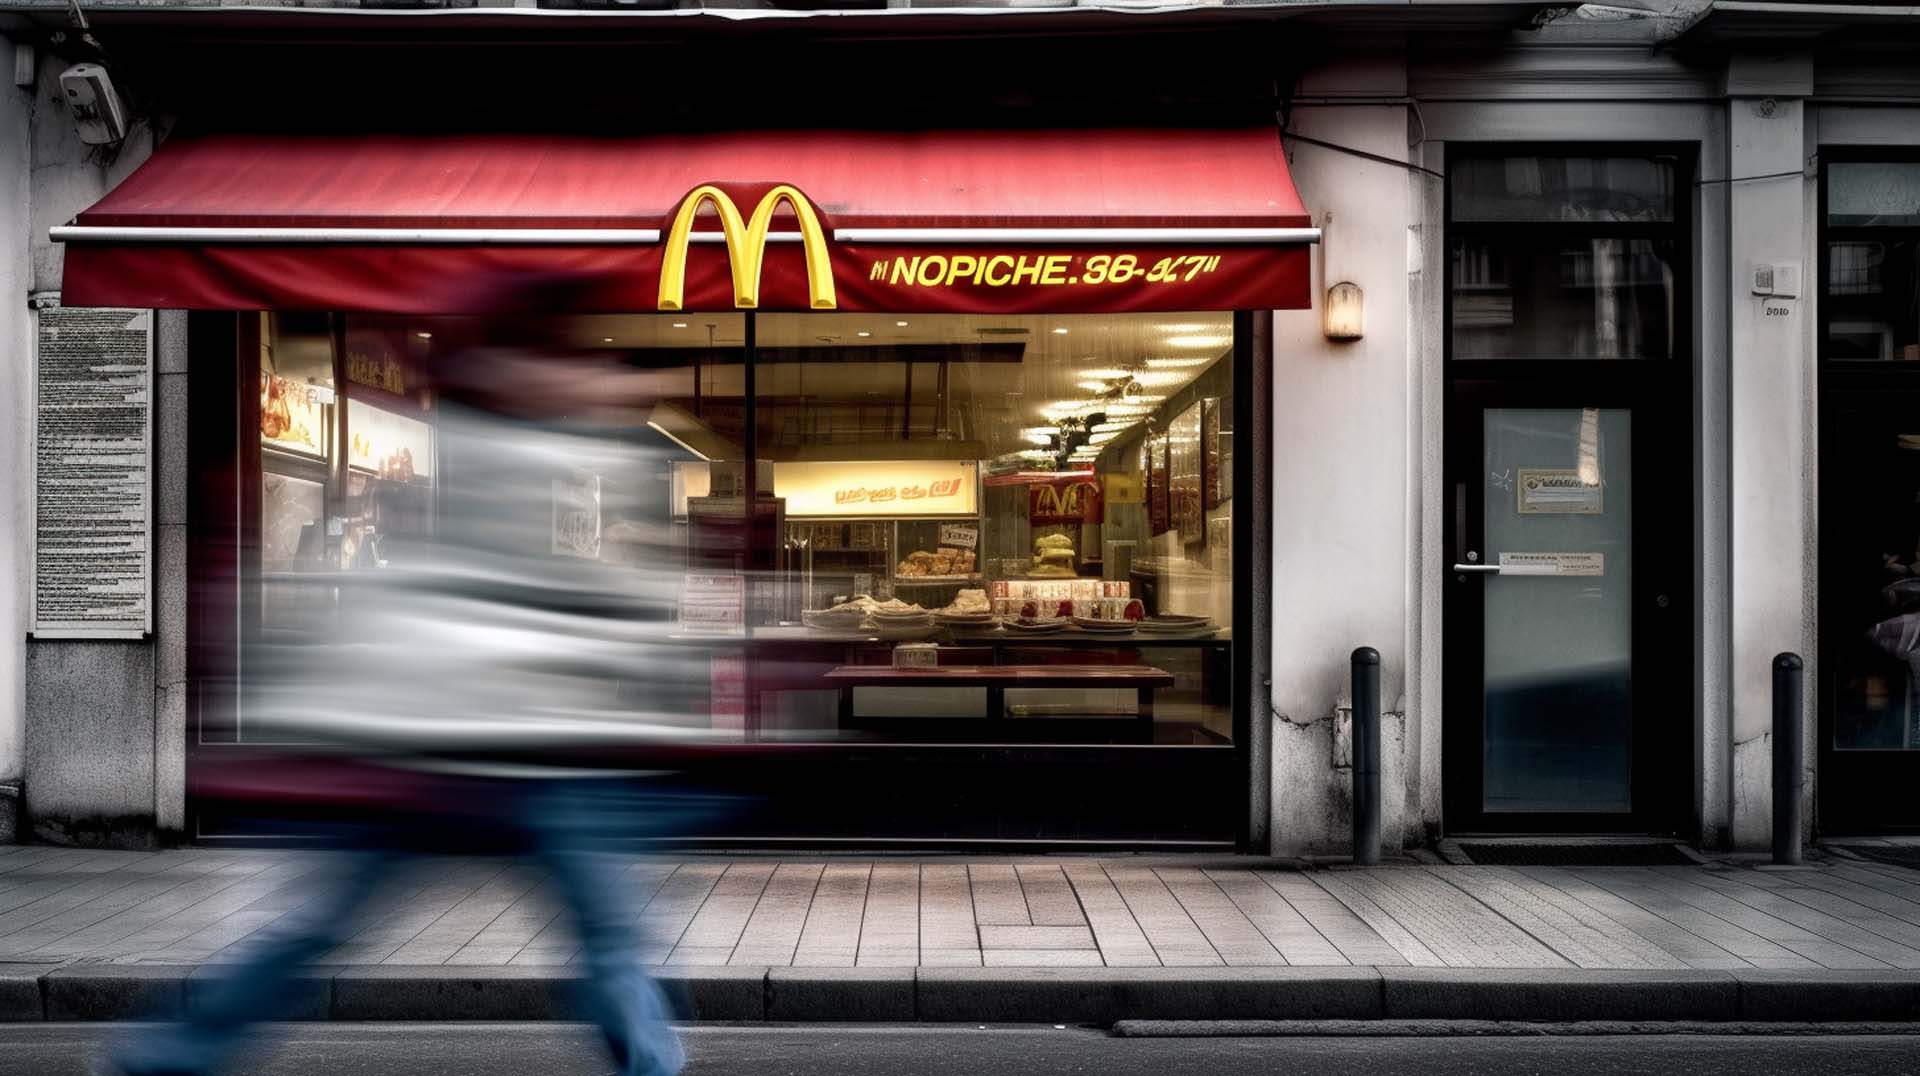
1555	491
92	501
388	444
713	603
1553	564
293	415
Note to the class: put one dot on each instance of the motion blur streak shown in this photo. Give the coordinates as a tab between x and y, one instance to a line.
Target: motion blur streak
490	682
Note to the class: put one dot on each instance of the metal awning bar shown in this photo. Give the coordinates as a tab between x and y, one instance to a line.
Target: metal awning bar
1077	235
97	233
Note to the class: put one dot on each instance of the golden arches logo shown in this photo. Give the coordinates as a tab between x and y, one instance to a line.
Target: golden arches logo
746	247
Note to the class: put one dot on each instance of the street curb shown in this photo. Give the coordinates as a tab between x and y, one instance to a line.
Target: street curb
1100	996
1104	995
1558	995
1829	995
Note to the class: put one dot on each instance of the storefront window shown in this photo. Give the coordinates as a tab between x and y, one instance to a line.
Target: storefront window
1027	522
1871	298
1563	257
1050	494
1870	455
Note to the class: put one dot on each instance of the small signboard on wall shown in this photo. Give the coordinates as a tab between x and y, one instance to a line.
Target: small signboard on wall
93	480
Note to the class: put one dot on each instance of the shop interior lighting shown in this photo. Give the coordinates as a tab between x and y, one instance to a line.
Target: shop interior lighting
899	324
679	324
1181	363
424	335
863	333
685	429
1060	330
1197	340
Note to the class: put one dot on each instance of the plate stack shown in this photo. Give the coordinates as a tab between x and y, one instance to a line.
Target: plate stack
1036	626
833	619
1103	627
965	621
1176	625
909	623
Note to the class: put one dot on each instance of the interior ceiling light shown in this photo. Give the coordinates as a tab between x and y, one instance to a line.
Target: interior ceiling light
424	335
1106	373
1188	327
1060	330
1197	340
1160	378
863	333
1181	363
1093	385
899	324
679	324
606	339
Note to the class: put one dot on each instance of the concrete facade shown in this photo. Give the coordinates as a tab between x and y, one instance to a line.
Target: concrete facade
96	732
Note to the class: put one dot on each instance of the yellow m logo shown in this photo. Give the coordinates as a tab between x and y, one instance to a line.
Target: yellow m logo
746	247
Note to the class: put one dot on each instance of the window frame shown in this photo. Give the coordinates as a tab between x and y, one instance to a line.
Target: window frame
1678	230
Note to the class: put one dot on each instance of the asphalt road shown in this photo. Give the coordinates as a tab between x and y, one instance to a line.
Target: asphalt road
557	1049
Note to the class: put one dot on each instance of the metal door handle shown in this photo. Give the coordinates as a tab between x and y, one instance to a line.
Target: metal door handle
1489	568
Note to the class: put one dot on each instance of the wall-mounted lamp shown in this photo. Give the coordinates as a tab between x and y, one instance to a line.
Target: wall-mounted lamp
1346	312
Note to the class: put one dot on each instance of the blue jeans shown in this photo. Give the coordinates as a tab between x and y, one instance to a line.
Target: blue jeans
560	821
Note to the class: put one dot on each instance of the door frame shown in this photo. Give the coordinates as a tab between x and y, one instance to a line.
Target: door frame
1661	395
1659	765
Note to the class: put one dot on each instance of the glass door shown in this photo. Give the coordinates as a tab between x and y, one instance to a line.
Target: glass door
1566	654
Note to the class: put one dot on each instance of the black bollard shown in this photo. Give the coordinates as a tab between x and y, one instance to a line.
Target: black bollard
1789	770
1366	756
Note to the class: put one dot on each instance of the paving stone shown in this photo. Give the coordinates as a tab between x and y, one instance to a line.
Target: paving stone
997	897
1049	896
890	928
1227	929
1122	943
946	910
831	935
772	933
1036	938
1175	938
1041	958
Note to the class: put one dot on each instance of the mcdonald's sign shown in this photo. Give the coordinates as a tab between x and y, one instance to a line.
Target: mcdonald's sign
746	240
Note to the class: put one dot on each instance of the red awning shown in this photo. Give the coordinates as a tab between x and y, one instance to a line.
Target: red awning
989	221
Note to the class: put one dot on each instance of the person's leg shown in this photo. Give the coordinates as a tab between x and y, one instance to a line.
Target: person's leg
563	817
258	989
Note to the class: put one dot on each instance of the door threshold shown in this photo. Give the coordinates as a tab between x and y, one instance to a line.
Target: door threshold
1570	851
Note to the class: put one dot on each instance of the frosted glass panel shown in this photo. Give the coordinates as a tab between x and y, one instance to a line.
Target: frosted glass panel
1559	615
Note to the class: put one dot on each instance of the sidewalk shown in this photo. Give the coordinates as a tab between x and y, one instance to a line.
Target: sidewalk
1065	939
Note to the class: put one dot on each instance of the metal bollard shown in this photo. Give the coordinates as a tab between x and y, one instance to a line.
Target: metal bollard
1789	771
1366	756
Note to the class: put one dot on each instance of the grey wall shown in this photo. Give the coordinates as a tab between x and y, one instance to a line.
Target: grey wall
104	721
16	474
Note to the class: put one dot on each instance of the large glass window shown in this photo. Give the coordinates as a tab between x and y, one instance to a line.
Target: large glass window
1870	453
957	529
999	498
1564	257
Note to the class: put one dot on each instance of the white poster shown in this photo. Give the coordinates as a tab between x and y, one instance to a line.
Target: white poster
93	510
1553	564
1553	491
576	516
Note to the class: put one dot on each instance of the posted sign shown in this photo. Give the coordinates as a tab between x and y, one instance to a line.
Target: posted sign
93	500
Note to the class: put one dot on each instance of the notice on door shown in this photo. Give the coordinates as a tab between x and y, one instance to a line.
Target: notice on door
1553	564
1551	491
93	428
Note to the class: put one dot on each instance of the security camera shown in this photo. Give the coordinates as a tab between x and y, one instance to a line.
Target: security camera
97	112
